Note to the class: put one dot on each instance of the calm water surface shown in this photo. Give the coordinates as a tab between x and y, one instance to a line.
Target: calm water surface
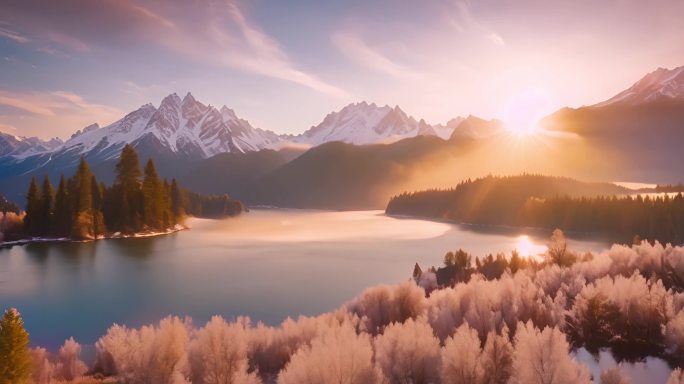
267	264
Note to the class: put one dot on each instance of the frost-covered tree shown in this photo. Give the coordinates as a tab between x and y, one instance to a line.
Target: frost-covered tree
149	355
496	360
69	364
381	305
674	336
677	377
542	357
408	353
614	376
42	368
460	357
339	355
218	354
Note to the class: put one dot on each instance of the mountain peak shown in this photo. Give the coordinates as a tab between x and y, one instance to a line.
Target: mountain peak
189	98
170	100
660	84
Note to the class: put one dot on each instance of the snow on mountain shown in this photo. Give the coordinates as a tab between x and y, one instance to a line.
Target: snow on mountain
183	126
25	146
363	123
658	85
191	129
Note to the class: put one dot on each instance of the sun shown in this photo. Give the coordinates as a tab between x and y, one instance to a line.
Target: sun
522	129
522	113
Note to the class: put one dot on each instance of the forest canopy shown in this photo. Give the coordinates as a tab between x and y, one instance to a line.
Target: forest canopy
138	201
550	202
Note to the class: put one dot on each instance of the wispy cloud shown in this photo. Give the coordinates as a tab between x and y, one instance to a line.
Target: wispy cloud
357	50
7	128
465	22
61	110
252	50
13	35
217	33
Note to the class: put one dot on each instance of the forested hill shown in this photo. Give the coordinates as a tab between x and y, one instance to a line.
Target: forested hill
494	199
550	202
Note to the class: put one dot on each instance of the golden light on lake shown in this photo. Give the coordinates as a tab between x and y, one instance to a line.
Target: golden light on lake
527	248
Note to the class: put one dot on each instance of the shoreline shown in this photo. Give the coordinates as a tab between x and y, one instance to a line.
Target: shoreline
507	229
115	235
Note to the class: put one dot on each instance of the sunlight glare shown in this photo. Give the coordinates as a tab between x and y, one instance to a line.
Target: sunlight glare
526	248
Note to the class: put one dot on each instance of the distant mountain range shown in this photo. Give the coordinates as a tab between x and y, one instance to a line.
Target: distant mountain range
359	156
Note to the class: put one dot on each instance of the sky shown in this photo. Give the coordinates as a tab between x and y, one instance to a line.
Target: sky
284	65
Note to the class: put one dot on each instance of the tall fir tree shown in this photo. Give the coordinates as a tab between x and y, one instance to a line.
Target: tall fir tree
128	180
153	197
47	206
99	227
33	209
15	358
61	225
177	202
83	226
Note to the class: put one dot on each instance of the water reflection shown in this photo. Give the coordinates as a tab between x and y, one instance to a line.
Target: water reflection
650	370
268	264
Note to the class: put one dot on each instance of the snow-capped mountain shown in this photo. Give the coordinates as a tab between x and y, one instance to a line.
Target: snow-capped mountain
25	146
183	126
363	123
660	84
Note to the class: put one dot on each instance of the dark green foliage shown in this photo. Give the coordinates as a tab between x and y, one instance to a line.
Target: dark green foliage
47	206
62	214
550	202
84	225
15	358
84	209
33	209
154	198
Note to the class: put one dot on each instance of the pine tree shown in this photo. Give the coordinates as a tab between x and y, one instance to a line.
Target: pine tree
177	204
33	208
128	181
99	227
153	197
15	358
61	225
84	222
47	206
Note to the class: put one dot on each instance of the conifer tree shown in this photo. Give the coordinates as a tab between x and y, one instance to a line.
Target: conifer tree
61	225
33	207
177	204
98	197
153	197
84	222
47	206
128	181
15	358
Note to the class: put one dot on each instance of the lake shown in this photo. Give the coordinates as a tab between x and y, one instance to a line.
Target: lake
266	264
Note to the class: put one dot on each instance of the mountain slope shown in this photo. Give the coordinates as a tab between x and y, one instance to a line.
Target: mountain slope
11	145
635	135
658	85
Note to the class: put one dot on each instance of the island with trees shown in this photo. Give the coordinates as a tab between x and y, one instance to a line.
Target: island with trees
137	203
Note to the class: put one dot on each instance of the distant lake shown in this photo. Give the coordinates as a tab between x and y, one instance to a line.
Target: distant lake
266	264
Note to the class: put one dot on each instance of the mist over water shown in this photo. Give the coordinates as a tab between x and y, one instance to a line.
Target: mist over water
266	264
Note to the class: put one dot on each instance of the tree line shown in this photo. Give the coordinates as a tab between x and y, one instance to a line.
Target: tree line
534	201
83	208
